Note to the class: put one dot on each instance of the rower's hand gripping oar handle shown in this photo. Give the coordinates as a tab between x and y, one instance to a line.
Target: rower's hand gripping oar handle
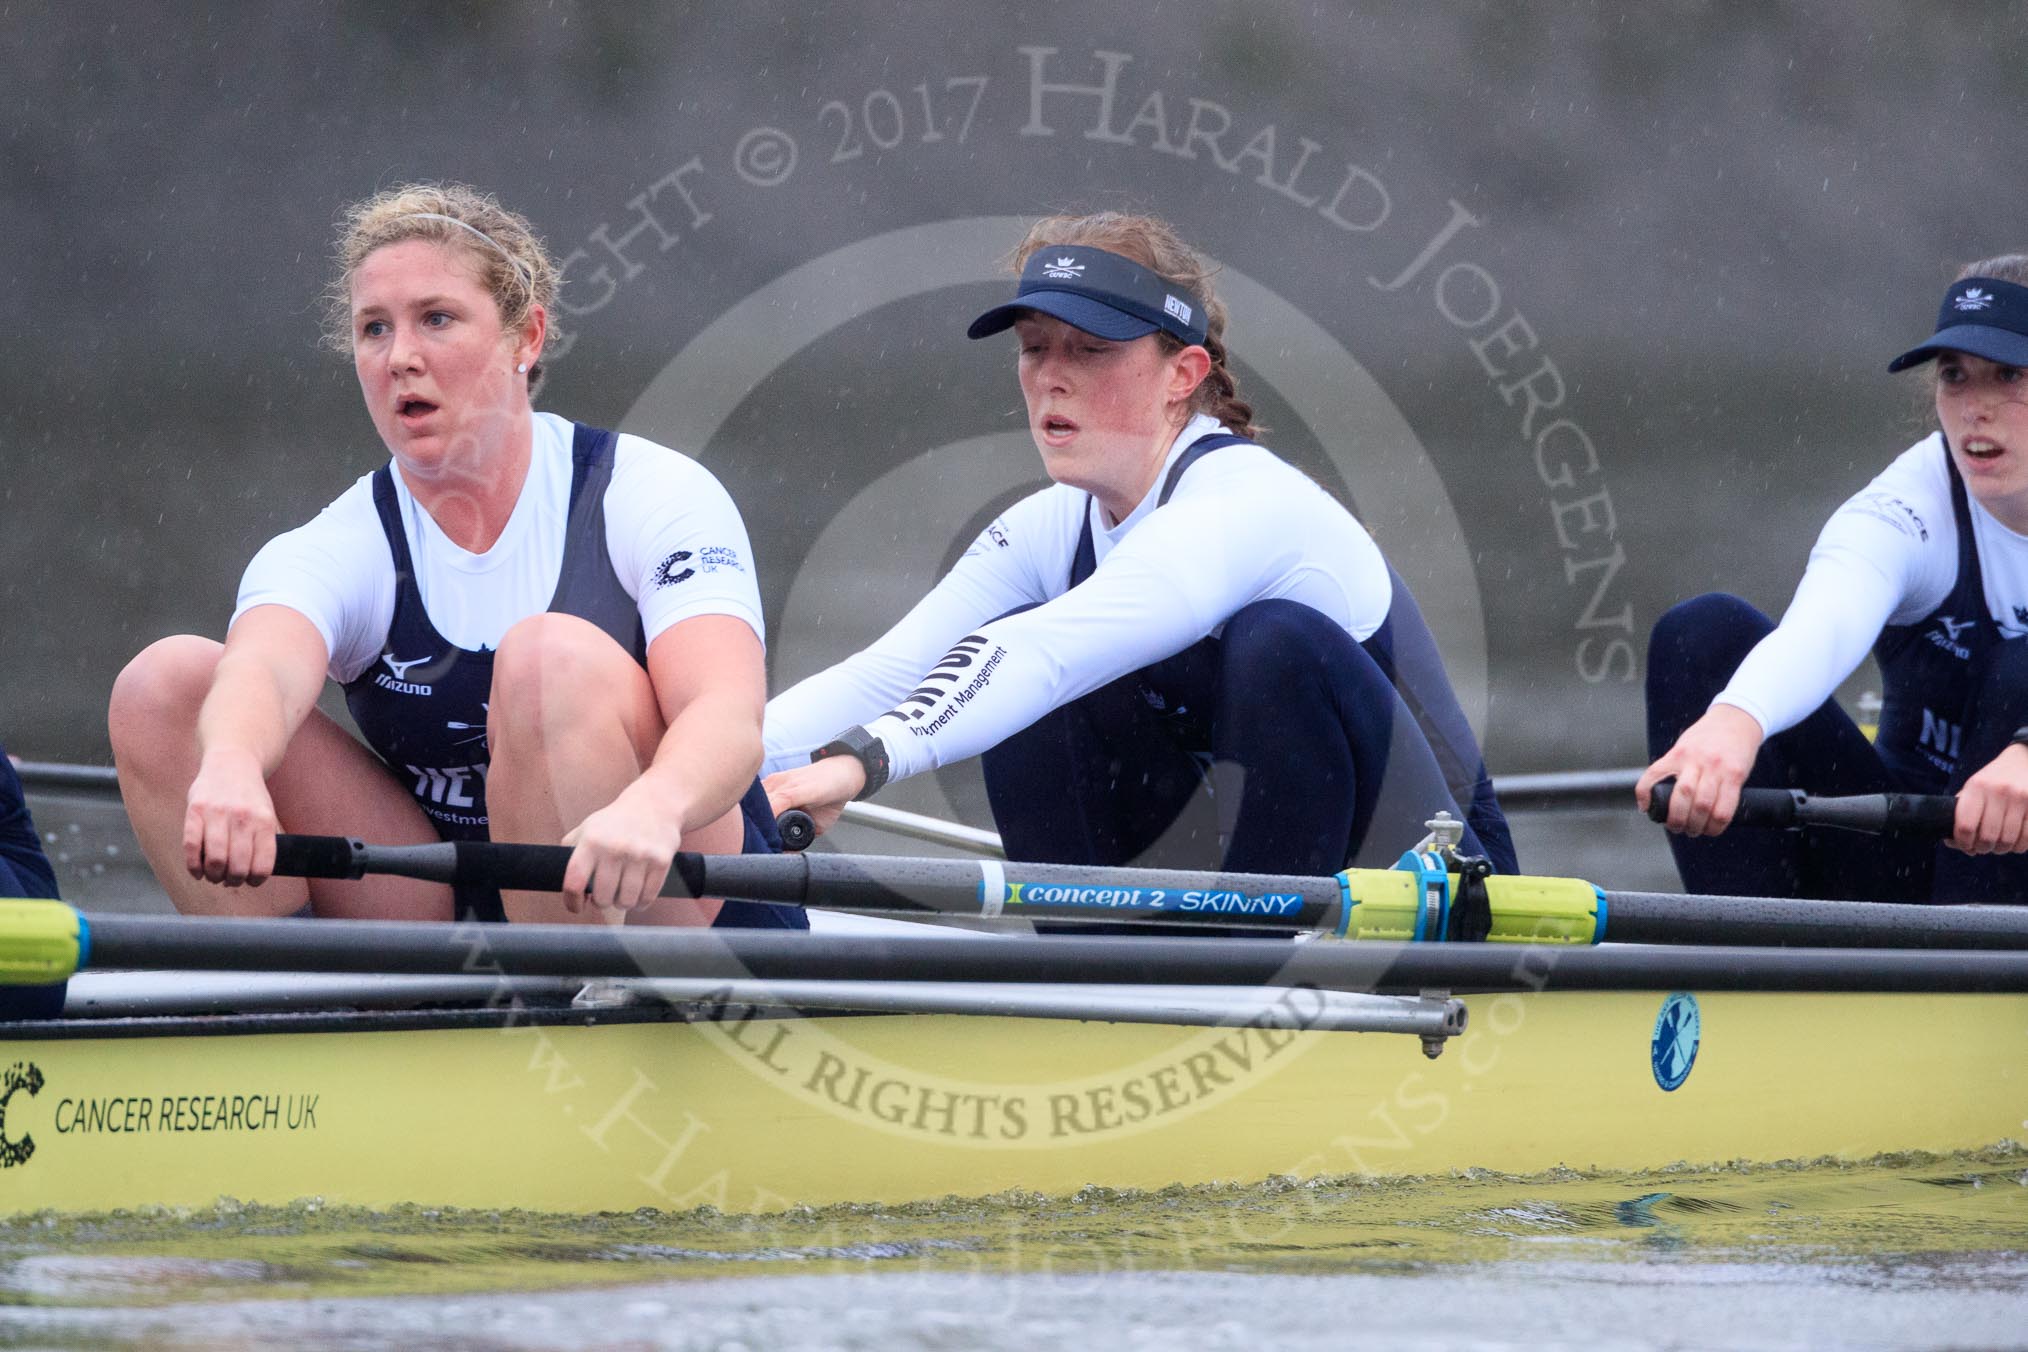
536	868
319	857
1926	816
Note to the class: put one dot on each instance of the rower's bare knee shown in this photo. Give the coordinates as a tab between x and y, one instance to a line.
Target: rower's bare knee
554	675
157	695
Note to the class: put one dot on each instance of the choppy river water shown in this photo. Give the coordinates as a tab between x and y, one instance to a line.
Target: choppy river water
1900	1252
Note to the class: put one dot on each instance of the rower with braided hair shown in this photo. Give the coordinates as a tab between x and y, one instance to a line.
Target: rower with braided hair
1182	609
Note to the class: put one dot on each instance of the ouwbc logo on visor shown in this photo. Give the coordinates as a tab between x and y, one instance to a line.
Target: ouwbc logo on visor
1983	316
1099	292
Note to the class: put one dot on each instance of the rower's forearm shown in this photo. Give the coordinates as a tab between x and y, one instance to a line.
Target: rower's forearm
247	711
856	690
707	759
1839	609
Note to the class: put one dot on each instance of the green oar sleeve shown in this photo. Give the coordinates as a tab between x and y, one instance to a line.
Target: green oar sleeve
1390	904
41	942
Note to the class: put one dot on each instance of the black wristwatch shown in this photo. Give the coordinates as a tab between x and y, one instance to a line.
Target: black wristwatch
864	747
2020	737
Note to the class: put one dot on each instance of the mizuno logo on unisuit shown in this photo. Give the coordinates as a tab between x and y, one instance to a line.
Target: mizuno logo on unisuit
1945	636
1065	269
399	683
1974	298
1947	633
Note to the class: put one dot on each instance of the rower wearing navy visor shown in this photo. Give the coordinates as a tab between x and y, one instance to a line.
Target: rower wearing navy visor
1181	609
1928	567
545	632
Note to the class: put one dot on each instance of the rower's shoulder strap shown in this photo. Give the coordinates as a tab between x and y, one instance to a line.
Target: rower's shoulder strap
387	506
1971	575
588	585
1084	562
1196	451
591	460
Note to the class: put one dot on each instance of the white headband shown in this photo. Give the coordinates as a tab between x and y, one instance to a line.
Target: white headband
521	269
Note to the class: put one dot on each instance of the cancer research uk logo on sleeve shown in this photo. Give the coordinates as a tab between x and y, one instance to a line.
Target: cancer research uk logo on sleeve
685	564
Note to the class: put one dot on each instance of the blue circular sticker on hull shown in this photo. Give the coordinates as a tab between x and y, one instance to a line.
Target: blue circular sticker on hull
1674	1048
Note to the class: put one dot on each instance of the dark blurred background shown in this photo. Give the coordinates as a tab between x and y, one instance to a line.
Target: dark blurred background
1701	228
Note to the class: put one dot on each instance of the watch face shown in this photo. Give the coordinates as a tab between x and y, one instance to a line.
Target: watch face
874	758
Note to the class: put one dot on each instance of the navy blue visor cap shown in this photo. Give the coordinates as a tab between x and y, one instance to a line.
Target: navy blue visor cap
1101	293
1980	315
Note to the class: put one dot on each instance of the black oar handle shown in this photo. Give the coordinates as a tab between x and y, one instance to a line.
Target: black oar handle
483	863
535	867
1931	816
798	831
1757	807
319	857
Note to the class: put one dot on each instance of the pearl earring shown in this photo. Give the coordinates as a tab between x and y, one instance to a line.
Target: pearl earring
522	369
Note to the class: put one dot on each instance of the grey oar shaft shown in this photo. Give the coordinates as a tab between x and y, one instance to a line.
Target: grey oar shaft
889	885
599	950
898	886
866	884
1667	918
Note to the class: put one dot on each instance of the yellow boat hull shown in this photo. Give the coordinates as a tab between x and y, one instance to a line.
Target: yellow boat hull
762	1113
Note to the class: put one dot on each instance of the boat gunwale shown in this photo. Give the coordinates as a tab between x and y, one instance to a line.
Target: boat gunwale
500	1017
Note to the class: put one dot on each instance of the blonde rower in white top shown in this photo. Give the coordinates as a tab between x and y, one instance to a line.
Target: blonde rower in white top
545	633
